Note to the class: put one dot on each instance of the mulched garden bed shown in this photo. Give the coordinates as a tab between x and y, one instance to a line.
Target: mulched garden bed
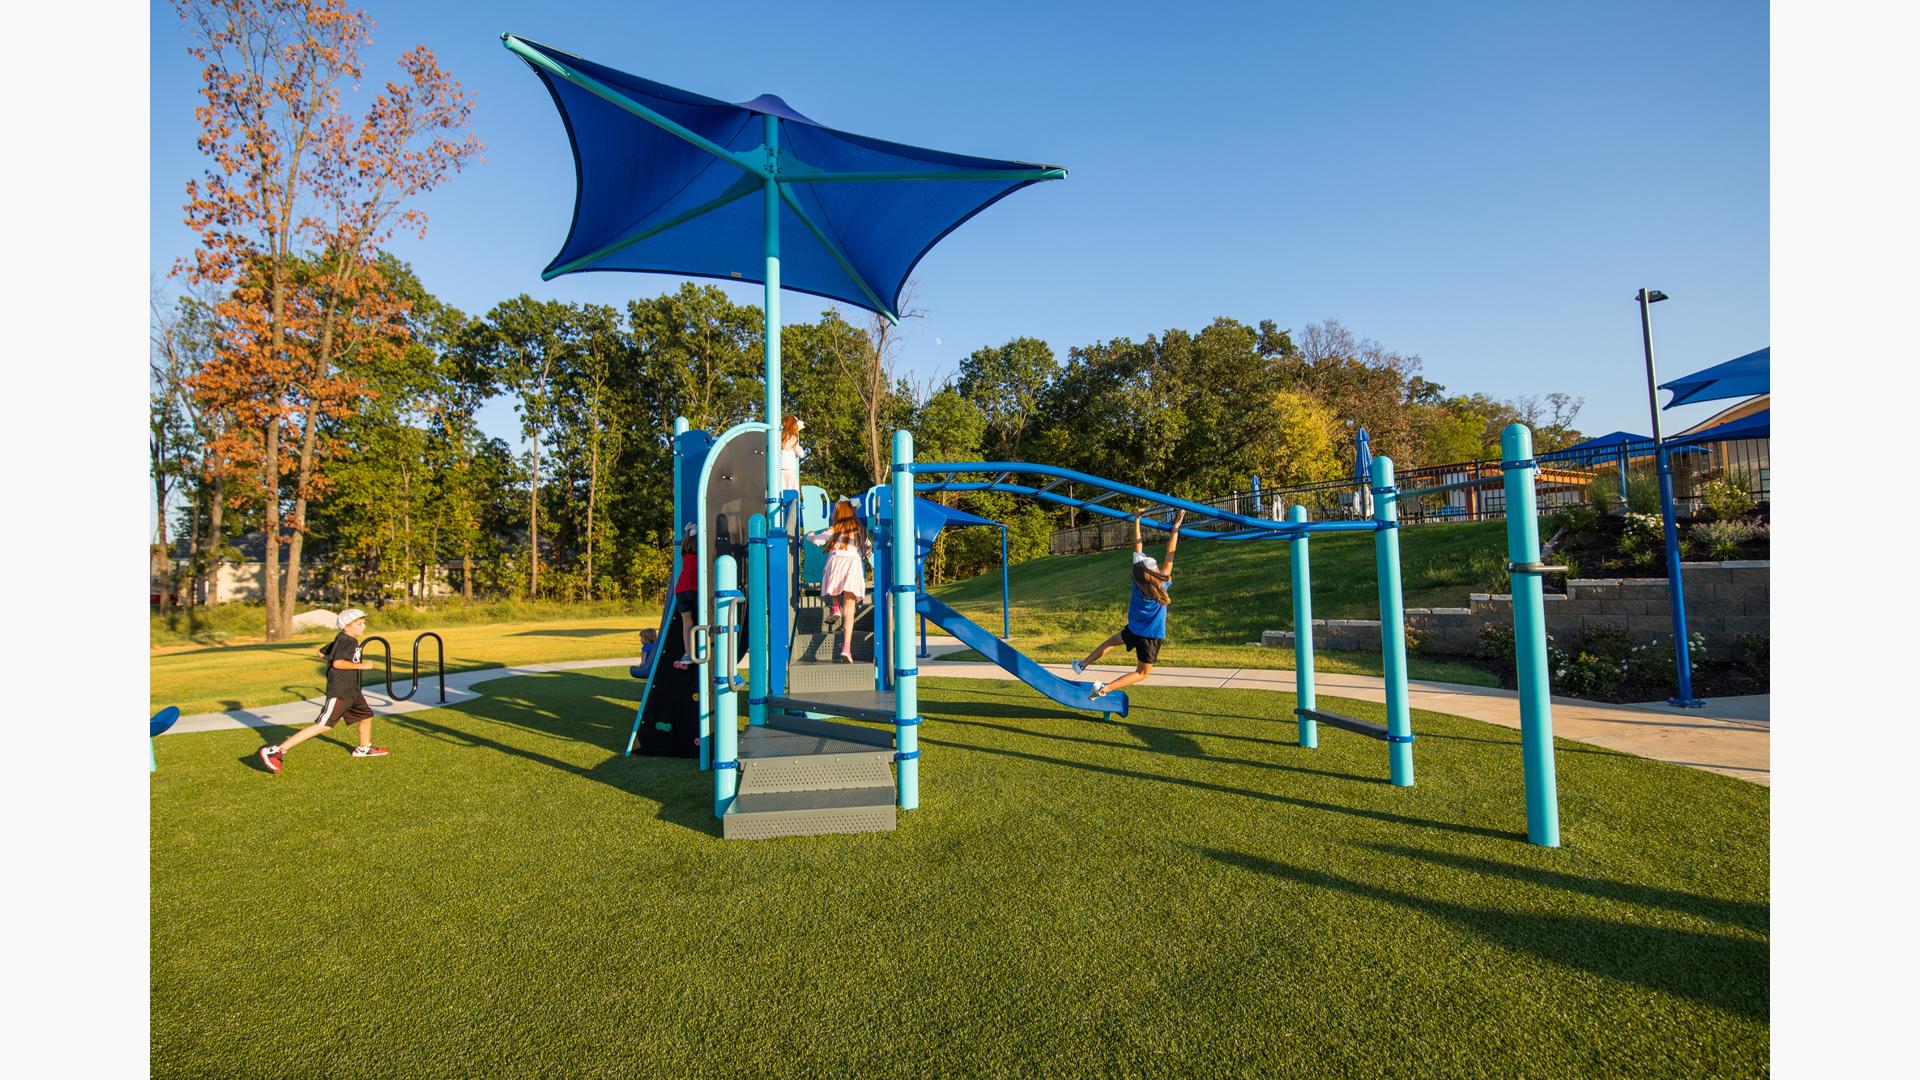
1595	552
1711	679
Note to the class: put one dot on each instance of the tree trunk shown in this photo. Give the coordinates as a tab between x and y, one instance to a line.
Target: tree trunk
466	573
309	429
270	530
196	575
593	487
216	519
160	538
533	521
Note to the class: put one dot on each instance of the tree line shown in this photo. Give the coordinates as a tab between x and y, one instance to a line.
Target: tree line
309	390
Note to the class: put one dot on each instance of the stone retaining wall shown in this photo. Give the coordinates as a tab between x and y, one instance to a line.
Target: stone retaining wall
1724	601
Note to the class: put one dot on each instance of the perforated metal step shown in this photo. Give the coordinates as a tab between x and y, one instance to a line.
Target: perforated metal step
811	679
809	813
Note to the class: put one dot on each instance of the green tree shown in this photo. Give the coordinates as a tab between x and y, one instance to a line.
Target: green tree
1007	382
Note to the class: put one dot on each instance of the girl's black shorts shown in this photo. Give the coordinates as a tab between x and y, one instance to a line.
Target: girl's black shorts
1146	648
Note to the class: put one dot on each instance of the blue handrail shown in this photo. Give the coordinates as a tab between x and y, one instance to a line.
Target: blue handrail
1251	528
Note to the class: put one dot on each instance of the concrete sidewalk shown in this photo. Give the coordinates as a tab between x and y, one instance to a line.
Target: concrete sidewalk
460	688
1729	736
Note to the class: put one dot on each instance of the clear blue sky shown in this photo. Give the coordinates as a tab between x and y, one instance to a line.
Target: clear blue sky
1482	184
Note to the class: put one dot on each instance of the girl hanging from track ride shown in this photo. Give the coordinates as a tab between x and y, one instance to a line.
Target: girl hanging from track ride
843	582
1146	628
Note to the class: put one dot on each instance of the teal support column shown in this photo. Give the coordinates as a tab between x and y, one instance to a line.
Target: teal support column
757	620
1530	637
724	644
1303	632
901	586
783	518
1393	627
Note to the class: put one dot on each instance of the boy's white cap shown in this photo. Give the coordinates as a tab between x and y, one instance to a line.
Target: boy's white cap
1142	557
348	617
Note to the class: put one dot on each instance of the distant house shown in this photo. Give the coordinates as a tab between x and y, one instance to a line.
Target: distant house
244	578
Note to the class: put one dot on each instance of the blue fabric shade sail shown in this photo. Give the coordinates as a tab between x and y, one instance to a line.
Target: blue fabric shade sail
1743	376
1757	426
673	182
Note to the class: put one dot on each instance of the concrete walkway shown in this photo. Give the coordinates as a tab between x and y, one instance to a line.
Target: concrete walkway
1729	736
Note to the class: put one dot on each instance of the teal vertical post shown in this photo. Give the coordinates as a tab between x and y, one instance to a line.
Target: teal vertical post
1302	631
783	518
902	582
757	601
1530	637
725	650
1393	627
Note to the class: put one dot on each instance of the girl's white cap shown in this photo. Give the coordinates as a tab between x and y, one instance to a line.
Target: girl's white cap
1142	557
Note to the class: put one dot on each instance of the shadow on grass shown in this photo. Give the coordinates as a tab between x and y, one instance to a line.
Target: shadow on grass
1726	973
680	794
1746	916
584	632
1172	747
1223	789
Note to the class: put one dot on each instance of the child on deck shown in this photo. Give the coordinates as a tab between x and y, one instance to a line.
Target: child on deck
344	700
1146	628
791	452
843	582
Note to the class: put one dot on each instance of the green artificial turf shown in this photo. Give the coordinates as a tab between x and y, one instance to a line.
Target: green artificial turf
1184	893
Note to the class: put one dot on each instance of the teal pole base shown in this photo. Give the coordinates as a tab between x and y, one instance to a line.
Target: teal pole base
1393	626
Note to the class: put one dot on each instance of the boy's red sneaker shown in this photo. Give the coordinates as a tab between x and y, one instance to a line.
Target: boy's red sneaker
271	757
369	751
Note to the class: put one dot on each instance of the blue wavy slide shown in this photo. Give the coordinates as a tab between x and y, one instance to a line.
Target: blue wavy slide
1074	695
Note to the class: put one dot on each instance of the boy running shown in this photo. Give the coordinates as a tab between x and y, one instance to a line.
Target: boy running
344	700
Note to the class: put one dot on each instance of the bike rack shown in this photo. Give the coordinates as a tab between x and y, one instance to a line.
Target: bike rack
440	654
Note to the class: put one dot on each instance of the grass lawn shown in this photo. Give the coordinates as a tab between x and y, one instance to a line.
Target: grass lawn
1226	594
215	678
1187	892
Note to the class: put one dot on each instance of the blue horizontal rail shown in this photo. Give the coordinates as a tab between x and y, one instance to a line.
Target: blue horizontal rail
1249	528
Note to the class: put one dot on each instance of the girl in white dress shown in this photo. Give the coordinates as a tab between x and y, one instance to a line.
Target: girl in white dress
843	582
790	452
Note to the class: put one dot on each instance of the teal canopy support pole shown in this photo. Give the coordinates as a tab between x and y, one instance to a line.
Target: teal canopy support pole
757	601
783	517
1303	632
1006	591
906	680
725	650
1393	628
1530	637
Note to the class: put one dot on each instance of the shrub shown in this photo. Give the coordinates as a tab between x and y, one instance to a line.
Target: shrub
1608	641
1723	538
1603	494
1643	492
1582	673
1653	662
1496	642
1753	653
1641	532
1726	498
1578	520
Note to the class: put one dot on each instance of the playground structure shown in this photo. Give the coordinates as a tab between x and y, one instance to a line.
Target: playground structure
666	182
799	769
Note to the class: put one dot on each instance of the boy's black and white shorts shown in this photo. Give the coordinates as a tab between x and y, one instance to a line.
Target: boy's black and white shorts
1146	648
354	709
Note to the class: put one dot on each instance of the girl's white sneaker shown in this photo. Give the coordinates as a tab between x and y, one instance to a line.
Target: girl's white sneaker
1079	666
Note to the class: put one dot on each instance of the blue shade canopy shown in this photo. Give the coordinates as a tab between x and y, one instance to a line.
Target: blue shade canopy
1743	376
1757	426
672	182
1612	440
1362	456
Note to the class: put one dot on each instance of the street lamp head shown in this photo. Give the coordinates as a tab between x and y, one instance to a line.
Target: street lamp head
1651	296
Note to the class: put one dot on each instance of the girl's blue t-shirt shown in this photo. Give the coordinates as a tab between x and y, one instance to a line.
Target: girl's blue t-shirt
1147	617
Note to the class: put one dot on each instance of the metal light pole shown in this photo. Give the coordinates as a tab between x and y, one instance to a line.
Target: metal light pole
1676	595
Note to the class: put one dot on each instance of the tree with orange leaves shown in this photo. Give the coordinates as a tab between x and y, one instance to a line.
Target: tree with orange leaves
297	199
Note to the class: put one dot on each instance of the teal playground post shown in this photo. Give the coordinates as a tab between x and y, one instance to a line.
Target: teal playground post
1530	635
903	583
757	620
1393	630
1302	631
723	646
